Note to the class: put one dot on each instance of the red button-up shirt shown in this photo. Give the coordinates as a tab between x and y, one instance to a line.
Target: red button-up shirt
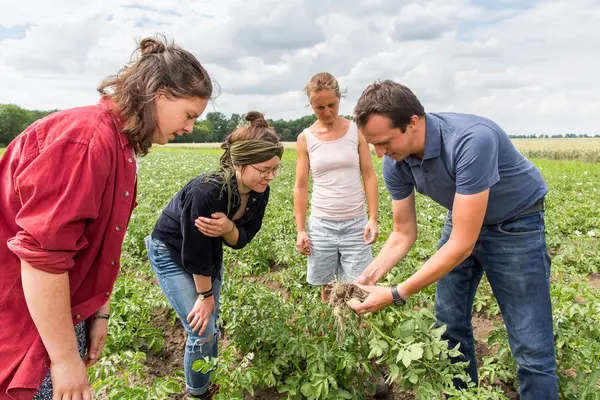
68	191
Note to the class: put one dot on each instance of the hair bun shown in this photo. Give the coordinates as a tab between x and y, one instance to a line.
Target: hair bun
151	46
256	119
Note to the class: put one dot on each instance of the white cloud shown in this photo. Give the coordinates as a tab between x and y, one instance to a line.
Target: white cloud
424	22
529	65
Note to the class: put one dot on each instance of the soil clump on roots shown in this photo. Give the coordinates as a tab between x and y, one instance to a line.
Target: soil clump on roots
345	319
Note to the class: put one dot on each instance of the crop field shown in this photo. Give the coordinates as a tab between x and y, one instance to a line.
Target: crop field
280	341
579	149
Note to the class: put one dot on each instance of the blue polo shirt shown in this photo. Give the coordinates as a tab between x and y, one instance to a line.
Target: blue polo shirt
467	154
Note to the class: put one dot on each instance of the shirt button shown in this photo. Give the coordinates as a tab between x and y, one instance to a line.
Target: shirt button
130	160
106	294
126	194
113	262
118	228
76	316
254	199
247	208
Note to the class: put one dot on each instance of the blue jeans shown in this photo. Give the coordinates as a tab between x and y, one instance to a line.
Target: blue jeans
515	259
179	288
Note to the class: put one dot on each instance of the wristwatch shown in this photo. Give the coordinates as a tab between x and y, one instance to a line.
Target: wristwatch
205	295
398	300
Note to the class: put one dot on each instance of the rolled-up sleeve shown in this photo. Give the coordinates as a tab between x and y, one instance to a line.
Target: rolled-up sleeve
60	192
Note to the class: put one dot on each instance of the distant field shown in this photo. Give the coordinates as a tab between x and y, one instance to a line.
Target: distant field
561	149
288	145
553	149
522	144
558	144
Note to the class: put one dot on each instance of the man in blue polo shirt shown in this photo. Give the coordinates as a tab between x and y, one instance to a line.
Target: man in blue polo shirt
495	225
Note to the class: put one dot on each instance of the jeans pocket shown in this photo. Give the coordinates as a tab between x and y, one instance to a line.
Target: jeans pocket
315	227
160	247
530	224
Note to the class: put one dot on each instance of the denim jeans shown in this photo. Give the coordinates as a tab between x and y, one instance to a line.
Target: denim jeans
515	259
179	288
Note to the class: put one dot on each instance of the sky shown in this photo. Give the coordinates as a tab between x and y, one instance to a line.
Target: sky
531	66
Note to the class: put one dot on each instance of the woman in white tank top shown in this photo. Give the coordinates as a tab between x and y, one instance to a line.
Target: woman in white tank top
334	152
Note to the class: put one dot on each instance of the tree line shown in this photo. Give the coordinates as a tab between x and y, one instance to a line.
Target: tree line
213	128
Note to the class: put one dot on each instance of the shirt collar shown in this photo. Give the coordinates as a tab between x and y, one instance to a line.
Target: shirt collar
433	141
118	120
433	137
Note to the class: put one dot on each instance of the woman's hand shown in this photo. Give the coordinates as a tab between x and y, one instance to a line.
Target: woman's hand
216	226
371	232
199	317
302	243
69	379
97	332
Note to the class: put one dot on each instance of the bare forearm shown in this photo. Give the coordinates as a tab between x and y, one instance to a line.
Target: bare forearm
438	266
232	237
300	206
105	309
203	283
371	191
394	250
49	302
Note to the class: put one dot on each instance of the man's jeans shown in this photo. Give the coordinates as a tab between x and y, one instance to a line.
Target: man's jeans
515	259
180	289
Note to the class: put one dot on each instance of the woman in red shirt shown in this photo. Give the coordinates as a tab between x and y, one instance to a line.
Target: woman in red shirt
68	190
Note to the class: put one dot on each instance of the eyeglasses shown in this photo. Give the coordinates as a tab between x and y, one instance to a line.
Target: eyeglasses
264	173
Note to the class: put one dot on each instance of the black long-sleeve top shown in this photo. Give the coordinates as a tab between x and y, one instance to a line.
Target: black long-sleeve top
191	249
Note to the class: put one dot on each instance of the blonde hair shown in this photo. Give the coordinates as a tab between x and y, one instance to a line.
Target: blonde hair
323	81
156	66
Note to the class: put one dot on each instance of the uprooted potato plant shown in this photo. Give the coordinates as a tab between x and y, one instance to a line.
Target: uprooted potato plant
344	317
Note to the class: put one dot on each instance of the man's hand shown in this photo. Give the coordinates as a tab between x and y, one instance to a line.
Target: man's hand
363	279
379	297
97	332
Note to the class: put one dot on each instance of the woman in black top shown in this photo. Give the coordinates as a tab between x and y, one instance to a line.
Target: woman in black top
186	247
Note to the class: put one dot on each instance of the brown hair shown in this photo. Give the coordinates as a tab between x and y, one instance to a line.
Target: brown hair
257	129
156	66
323	81
252	143
389	99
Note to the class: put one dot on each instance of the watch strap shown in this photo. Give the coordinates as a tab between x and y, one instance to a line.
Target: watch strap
398	300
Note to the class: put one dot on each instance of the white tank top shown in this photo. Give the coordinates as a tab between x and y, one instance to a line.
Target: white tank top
337	191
